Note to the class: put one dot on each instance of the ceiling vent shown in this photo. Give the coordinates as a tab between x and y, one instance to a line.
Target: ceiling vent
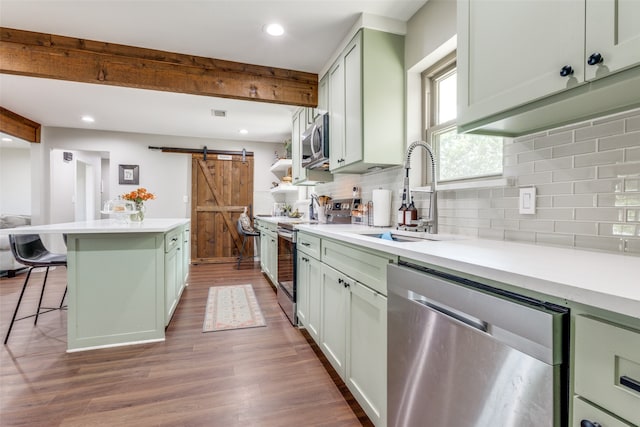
218	113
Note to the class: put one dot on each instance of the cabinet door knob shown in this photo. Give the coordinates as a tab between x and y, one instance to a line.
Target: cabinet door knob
587	423
567	70
595	59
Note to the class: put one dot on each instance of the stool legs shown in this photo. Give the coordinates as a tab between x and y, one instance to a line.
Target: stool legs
15	313
244	240
40	308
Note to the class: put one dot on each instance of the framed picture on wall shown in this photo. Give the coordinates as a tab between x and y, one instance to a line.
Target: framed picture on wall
129	174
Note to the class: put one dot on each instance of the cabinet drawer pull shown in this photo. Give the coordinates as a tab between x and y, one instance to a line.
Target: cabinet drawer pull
567	70
630	383
595	59
305	244
587	423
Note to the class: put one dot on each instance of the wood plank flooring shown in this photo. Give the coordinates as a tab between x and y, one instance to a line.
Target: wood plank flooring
271	376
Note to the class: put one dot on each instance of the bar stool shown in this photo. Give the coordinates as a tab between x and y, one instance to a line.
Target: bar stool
245	234
29	250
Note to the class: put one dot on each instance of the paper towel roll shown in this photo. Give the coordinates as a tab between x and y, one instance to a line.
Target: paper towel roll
381	208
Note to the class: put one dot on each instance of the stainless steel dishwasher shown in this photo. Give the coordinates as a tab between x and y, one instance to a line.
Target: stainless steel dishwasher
464	354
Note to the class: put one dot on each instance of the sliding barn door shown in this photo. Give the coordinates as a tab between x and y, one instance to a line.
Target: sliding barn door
222	186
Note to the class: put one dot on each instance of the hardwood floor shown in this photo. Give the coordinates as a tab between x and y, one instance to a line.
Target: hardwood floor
269	376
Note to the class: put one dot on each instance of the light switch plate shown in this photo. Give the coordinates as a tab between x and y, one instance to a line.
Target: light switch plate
527	203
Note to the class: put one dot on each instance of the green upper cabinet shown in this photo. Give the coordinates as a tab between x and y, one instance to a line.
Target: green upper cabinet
531	65
366	103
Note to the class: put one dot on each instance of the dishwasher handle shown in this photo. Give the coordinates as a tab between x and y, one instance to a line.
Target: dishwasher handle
458	315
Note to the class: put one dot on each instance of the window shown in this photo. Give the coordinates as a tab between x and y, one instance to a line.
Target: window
459	156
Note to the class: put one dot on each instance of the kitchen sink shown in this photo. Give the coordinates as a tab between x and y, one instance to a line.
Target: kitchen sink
396	237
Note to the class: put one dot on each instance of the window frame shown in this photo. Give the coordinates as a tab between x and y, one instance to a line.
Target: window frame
431	127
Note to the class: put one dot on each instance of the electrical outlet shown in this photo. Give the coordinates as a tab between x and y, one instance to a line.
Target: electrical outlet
527	202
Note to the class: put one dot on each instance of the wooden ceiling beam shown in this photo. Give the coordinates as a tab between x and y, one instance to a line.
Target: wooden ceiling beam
18	126
65	58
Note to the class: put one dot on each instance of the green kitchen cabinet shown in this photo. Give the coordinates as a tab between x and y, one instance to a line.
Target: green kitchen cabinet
366	369
186	252
308	285
607	371
546	72
366	103
369	267
333	328
172	273
268	249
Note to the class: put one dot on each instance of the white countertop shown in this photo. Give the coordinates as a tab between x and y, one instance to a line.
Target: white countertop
604	280
149	225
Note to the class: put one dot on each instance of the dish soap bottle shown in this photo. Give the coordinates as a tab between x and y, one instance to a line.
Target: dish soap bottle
403	209
411	215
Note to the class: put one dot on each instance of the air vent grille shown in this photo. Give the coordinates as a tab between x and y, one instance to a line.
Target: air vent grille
218	113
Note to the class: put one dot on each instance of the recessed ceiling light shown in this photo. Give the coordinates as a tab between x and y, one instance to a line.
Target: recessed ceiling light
274	29
88	119
244	131
5	139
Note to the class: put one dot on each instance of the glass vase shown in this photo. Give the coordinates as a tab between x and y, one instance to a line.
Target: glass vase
139	215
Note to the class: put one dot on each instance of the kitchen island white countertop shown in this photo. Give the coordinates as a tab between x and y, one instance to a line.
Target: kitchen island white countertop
149	225
604	280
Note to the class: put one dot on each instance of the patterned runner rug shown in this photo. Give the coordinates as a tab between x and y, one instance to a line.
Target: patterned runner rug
232	307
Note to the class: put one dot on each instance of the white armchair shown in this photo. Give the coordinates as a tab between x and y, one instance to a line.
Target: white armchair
8	264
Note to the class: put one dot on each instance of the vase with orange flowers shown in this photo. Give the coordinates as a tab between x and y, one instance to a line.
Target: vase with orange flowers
138	197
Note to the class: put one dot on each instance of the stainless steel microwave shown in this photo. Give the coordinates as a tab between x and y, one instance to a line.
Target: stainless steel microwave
315	144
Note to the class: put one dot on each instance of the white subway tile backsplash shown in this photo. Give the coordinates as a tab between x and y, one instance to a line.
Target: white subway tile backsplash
555	239
575	174
520	236
531	156
517	147
490	233
632	154
601	158
608	244
534	179
551	165
576	227
599	214
631	184
623	199
616	171
633	124
619	141
553	140
536	225
599	186
600	130
576	200
573	149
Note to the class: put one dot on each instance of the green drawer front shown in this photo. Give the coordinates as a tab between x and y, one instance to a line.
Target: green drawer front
308	244
582	410
172	238
604	354
366	267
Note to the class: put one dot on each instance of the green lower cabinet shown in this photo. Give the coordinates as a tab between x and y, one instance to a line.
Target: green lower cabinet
354	339
366	373
607	369
584	412
333	329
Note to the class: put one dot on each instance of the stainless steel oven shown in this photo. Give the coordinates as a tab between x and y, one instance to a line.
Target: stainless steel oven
286	289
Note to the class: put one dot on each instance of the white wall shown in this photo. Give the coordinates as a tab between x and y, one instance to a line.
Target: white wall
15	181
167	175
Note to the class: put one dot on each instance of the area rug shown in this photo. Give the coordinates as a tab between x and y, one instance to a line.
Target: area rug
232	307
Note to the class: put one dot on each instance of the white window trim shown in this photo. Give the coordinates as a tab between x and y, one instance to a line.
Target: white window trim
429	117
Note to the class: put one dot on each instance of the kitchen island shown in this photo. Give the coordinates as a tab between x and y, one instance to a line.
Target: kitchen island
124	279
